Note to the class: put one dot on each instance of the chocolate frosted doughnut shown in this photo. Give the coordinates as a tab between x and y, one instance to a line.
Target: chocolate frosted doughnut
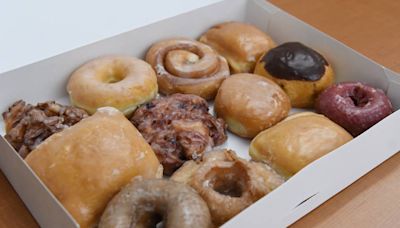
145	203
302	72
294	61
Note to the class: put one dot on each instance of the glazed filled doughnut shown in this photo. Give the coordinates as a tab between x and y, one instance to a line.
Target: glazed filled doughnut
240	43
121	82
227	183
302	72
179	128
86	164
354	105
146	203
187	66
250	103
297	141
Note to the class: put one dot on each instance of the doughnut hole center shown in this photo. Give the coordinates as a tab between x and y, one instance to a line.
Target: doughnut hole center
359	97
228	181
115	75
152	219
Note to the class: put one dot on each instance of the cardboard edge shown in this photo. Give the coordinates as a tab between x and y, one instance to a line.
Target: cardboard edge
45	208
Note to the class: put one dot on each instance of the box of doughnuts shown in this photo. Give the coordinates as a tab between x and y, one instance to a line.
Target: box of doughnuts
234	114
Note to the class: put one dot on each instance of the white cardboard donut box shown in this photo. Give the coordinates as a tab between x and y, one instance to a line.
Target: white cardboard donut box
313	185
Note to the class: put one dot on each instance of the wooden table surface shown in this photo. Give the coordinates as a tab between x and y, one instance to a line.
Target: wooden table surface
371	27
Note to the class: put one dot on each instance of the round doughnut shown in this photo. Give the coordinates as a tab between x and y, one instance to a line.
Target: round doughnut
146	203
250	103
187	66
240	43
121	82
227	183
301	72
354	105
297	141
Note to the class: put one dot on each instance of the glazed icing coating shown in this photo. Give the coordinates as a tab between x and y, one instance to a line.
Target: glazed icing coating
294	61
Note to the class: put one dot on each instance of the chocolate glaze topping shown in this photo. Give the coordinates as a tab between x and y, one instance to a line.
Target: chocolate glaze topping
295	61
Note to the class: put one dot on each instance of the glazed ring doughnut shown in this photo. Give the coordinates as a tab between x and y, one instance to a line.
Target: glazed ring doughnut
145	203
121	82
227	183
187	66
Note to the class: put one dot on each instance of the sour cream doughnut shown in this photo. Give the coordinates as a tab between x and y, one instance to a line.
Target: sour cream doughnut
227	183
146	203
122	82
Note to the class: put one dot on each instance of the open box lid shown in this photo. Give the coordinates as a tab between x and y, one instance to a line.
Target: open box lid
303	192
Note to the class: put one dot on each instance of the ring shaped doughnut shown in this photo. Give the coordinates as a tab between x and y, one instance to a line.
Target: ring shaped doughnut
121	82
145	203
227	183
187	66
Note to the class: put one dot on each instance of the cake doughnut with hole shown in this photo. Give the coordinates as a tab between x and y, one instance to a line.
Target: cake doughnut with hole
227	183
187	66
355	106
149	203
122	82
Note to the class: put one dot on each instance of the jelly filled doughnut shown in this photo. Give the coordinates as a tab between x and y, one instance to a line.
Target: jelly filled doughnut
297	141
121	82
301	72
240	43
227	183
354	105
187	66
250	103
146	203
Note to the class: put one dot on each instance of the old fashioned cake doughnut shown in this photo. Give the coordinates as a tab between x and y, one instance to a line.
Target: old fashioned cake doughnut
147	203
227	183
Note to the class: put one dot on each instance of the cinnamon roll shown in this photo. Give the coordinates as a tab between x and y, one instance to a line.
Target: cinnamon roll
187	66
